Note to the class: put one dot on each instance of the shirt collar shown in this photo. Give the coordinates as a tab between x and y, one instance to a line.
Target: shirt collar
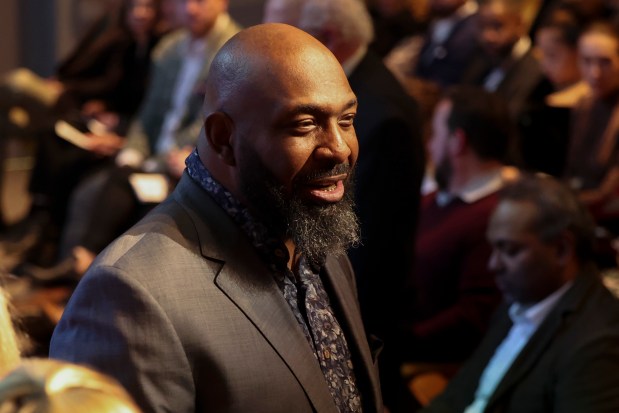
536	313
270	248
479	187
210	40
353	61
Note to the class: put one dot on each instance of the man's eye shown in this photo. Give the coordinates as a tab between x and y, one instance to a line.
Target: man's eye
511	250
347	120
303	126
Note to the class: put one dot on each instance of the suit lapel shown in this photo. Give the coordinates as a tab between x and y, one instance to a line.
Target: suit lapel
259	298
245	280
343	298
541	340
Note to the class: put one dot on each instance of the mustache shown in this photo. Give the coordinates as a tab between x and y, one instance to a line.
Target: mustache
339	169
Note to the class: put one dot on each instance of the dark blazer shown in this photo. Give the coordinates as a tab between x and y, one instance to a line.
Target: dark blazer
522	79
444	63
183	312
570	364
388	177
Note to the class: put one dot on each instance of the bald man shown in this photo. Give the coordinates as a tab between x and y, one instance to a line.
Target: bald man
235	295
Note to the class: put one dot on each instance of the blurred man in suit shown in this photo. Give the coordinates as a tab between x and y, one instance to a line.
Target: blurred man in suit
236	295
554	344
505	63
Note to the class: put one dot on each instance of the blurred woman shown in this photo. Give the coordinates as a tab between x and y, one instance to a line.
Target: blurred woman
105	81
544	126
593	157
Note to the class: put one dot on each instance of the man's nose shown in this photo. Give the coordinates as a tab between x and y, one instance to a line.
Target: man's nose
334	145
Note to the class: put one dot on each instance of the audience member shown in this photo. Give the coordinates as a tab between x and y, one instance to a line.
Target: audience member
554	345
505	63
450	293
235	294
107	71
105	78
544	123
593	151
158	140
446	48
49	386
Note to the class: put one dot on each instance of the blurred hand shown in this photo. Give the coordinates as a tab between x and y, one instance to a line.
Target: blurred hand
108	144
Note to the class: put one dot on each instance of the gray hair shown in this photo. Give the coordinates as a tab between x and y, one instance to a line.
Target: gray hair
558	210
351	17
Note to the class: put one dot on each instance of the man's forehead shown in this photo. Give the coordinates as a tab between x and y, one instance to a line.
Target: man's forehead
292	107
512	217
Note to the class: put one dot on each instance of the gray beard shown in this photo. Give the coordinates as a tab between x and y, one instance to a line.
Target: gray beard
316	230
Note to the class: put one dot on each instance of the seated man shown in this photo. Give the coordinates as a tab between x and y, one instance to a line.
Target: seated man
445	49
158	140
505	63
554	344
450	293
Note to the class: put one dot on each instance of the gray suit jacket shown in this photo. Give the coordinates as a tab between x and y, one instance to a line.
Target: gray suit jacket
167	63
183	312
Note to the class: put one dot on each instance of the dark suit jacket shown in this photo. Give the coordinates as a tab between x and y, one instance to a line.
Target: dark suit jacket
521	79
570	364
388	177
183	312
443	63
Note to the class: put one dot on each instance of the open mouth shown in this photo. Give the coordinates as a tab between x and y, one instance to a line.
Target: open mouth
326	190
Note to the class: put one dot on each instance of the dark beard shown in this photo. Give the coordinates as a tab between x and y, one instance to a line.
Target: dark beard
316	230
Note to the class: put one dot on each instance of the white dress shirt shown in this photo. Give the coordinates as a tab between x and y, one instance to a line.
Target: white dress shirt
526	320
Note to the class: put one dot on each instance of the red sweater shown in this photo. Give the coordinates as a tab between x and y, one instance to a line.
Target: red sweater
451	293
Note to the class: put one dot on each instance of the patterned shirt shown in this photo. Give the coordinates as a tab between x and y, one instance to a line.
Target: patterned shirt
304	293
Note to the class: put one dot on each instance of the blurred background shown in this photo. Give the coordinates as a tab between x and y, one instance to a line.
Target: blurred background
36	34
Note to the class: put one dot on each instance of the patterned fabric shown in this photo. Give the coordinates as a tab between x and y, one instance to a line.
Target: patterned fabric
304	293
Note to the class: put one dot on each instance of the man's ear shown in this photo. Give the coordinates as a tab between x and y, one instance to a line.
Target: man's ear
218	128
566	247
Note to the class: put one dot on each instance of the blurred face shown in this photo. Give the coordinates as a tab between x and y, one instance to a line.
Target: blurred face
599	63
527	268
141	17
558	61
296	148
200	15
499	29
438	145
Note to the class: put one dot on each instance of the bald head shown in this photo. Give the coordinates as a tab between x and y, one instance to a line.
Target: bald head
261	74
259	55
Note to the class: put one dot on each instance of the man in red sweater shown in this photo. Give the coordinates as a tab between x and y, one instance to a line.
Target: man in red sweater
451	293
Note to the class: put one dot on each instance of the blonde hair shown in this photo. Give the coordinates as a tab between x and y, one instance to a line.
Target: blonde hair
9	349
51	386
